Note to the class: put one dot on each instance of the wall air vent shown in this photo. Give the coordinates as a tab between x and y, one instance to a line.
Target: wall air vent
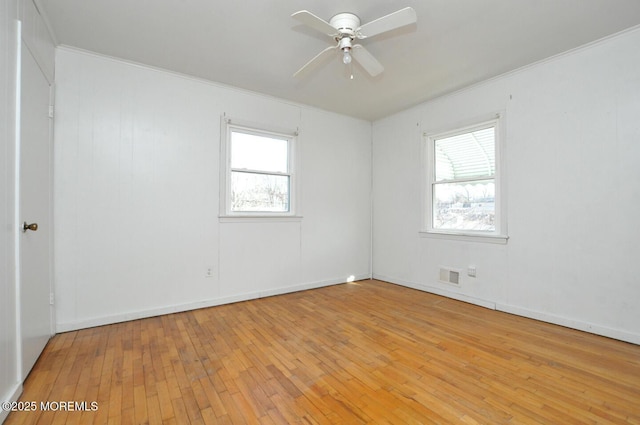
450	276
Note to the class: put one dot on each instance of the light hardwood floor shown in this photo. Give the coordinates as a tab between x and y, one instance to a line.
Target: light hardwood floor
366	352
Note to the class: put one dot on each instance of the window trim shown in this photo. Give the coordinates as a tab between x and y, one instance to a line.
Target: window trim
227	126
498	236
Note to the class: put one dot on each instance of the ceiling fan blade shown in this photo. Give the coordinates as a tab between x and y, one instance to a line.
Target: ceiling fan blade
366	59
314	22
309	66
389	22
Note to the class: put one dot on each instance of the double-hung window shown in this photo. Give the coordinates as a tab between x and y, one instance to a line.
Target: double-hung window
259	177
463	190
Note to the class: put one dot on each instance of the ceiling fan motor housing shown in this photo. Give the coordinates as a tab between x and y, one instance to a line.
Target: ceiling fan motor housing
346	24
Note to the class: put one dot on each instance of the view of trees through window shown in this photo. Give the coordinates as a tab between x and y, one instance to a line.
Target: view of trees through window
253	192
464	206
260	177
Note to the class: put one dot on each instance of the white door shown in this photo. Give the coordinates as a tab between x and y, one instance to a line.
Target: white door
35	206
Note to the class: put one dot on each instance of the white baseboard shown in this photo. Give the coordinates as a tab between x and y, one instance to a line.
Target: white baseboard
11	396
142	314
618	334
438	291
570	323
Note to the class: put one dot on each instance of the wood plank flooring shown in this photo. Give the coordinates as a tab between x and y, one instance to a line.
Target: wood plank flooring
368	352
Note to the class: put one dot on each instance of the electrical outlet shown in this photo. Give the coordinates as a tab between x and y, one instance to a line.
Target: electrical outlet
209	272
471	271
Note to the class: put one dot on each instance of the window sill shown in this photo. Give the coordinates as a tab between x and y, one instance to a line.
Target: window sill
258	218
466	237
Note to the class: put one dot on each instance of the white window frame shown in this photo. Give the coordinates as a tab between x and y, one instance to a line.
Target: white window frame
499	235
228	126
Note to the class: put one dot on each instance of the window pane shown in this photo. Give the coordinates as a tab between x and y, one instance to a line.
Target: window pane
262	153
467	155
252	192
464	206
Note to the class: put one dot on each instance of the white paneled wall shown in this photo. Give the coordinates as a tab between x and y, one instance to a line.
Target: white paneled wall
573	184
337	172
136	196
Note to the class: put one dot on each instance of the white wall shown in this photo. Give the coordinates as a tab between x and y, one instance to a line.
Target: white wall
573	184
136	196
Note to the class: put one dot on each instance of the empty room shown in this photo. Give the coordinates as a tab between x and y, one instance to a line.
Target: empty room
356	212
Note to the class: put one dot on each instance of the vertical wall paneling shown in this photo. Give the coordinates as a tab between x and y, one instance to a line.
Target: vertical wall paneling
336	164
572	192
136	196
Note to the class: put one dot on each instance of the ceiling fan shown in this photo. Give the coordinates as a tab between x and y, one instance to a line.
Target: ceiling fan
344	28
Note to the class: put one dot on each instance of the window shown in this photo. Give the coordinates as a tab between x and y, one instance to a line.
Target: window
258	178
462	179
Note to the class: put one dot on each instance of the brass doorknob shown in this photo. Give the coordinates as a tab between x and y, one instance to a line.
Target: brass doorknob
32	226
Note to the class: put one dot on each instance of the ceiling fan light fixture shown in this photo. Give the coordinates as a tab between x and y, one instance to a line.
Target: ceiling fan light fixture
346	56
345	45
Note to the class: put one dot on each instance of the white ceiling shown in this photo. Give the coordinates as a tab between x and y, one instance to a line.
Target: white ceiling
256	45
